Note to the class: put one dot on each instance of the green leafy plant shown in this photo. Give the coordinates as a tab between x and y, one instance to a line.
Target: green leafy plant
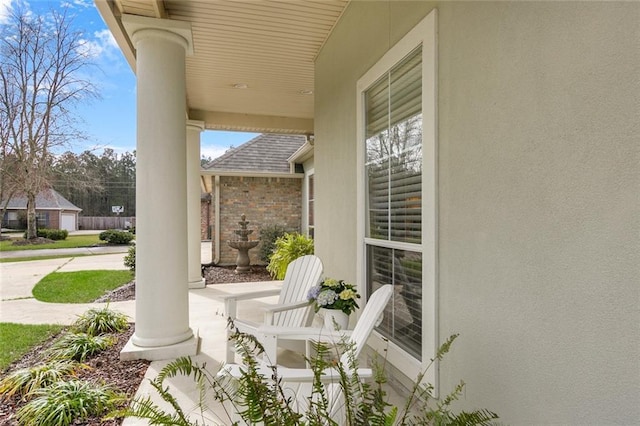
112	236
78	346
64	402
257	396
51	234
97	321
288	248
130	259
268	236
27	380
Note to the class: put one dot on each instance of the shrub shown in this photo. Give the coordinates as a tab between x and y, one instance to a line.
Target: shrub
288	248
130	259
64	402
52	234
27	380
113	236
268	236
95	322
78	346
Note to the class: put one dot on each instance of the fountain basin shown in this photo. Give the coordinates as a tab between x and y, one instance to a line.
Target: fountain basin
242	260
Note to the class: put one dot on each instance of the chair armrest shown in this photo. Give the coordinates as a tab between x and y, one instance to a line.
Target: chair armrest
286	306
305	375
248	295
230	300
304	333
292	375
269	311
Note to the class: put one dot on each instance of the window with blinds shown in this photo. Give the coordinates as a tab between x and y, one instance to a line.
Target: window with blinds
394	153
393	170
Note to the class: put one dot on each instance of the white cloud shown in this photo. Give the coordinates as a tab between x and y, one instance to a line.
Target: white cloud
5	8
82	4
103	44
213	151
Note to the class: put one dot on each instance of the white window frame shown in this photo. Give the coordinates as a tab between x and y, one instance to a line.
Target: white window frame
423	34
306	199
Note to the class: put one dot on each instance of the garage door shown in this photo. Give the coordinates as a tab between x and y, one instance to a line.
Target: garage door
68	222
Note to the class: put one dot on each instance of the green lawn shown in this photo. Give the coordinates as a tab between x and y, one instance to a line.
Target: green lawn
71	242
18	339
79	286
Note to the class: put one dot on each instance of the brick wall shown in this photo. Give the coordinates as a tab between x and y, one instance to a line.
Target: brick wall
264	201
206	209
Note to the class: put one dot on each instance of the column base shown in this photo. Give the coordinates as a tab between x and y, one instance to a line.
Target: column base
197	284
189	347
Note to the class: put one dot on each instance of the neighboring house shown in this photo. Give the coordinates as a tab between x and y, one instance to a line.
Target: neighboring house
265	179
53	211
480	156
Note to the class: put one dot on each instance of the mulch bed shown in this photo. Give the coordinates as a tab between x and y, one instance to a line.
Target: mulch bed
125	376
32	242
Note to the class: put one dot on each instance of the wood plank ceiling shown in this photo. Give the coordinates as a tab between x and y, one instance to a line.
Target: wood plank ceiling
253	66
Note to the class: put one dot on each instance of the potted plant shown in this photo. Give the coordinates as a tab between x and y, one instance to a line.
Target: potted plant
335	300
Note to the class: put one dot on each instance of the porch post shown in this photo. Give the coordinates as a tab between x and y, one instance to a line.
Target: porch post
193	203
162	295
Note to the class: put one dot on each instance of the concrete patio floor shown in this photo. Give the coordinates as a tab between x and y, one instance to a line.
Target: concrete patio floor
206	317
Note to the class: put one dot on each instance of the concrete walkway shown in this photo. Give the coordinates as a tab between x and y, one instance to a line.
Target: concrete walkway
17	280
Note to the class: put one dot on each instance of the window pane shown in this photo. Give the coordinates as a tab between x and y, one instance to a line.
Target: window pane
393	163
402	321
405	184
378	200
377	108
406	88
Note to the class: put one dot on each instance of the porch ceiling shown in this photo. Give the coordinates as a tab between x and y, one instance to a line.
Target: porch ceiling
269	46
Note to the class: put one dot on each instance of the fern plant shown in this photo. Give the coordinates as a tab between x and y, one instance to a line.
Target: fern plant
26	380
288	248
256	395
96	321
65	402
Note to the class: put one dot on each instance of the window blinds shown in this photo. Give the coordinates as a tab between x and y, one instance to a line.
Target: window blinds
394	152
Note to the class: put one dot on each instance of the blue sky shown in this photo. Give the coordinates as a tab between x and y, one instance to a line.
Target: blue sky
110	121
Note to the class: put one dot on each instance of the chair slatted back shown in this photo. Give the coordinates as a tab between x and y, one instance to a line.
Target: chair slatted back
368	319
302	274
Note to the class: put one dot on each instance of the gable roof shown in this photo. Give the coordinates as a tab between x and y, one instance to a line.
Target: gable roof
48	199
267	153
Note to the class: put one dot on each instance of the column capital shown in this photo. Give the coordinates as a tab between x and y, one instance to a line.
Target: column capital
195	125
139	27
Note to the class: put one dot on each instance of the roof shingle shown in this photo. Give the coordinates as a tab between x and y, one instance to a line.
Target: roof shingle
267	153
48	199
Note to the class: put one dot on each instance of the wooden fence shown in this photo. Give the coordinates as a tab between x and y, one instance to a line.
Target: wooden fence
106	222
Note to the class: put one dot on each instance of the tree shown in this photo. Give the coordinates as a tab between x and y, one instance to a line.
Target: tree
205	160
95	183
42	65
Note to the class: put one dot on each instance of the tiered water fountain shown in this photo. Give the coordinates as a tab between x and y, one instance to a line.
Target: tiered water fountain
243	245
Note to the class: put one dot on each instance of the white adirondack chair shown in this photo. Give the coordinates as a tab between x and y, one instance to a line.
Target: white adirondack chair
293	308
297	382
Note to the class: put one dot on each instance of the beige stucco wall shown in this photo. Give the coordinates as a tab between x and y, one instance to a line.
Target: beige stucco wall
539	206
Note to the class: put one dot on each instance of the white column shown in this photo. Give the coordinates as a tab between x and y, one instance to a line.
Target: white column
193	203
162	295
